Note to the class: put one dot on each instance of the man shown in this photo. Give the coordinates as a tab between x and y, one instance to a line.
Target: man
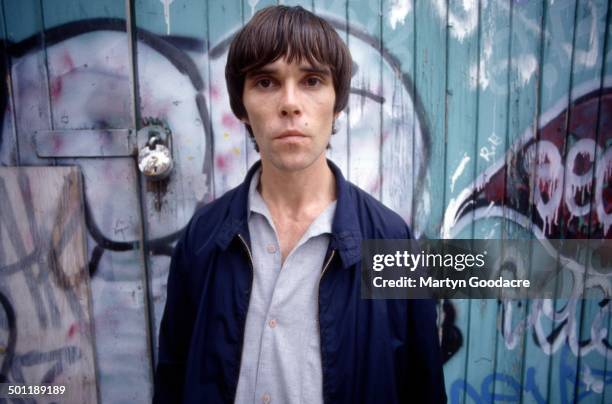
264	287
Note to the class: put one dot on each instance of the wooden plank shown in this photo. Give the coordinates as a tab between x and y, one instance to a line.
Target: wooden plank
29	81
230	136
523	114
607	322
174	18
9	151
589	133
461	134
308	5
45	283
335	12
538	357
249	8
89	88
365	102
430	80
476	318
492	82
401	164
184	104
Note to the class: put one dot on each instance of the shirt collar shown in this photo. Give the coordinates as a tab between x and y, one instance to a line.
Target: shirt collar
345	233
256	204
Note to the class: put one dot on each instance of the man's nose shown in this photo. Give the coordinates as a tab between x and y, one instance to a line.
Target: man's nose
290	105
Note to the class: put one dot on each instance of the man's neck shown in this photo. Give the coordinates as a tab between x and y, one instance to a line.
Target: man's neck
298	193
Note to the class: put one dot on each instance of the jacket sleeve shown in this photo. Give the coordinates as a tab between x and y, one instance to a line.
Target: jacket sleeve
176	328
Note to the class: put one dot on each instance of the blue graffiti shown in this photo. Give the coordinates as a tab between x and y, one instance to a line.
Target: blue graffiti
565	382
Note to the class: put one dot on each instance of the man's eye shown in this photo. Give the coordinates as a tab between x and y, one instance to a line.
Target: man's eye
264	83
313	81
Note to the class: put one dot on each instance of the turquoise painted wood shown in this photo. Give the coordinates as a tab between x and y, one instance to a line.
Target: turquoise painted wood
472	119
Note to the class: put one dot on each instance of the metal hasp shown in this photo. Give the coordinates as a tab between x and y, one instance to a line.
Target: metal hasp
155	149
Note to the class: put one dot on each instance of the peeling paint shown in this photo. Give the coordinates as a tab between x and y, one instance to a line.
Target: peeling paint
166	4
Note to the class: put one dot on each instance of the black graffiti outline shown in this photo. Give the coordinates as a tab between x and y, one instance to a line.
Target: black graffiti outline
173	49
9	352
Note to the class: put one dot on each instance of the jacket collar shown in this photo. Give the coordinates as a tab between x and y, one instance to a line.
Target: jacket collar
346	236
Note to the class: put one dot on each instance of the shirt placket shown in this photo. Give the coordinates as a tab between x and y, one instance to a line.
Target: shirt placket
271	266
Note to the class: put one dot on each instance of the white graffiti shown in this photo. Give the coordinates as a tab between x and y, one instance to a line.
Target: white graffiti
546	170
591	382
462	22
479	74
525	65
602	176
459	170
544	317
587	58
488	153
398	12
549	176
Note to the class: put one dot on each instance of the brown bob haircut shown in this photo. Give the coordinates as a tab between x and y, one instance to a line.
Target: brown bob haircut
293	33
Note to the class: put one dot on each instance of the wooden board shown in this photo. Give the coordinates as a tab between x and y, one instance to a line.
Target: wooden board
46	327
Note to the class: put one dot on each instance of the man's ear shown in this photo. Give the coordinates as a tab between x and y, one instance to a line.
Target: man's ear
245	120
336	114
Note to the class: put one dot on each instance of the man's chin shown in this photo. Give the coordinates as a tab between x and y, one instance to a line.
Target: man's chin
292	162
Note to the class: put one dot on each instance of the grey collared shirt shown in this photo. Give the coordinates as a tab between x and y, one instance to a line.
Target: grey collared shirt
281	355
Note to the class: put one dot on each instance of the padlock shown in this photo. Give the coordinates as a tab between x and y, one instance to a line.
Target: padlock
155	159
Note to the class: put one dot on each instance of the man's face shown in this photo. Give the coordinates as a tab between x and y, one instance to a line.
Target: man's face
290	107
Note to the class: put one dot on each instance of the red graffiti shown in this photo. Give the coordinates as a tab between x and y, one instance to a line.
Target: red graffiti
560	179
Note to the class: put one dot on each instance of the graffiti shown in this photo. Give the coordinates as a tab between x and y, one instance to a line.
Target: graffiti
555	182
44	289
463	21
451	340
59	358
587	58
398	11
564	325
88	58
8	350
488	152
459	170
535	164
591	382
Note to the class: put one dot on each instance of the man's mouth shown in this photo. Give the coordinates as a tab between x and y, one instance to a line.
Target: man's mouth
291	134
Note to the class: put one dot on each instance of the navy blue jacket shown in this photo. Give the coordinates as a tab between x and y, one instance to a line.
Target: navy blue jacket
372	351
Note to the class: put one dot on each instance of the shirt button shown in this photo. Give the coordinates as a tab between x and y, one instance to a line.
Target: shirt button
272	323
271	248
265	398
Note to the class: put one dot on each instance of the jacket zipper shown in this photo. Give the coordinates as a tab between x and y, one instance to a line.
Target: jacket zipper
248	251
331	256
246	247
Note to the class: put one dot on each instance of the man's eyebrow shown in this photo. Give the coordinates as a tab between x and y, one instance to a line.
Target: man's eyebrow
263	71
316	69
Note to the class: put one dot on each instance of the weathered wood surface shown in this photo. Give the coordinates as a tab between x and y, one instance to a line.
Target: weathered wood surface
472	119
46	322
